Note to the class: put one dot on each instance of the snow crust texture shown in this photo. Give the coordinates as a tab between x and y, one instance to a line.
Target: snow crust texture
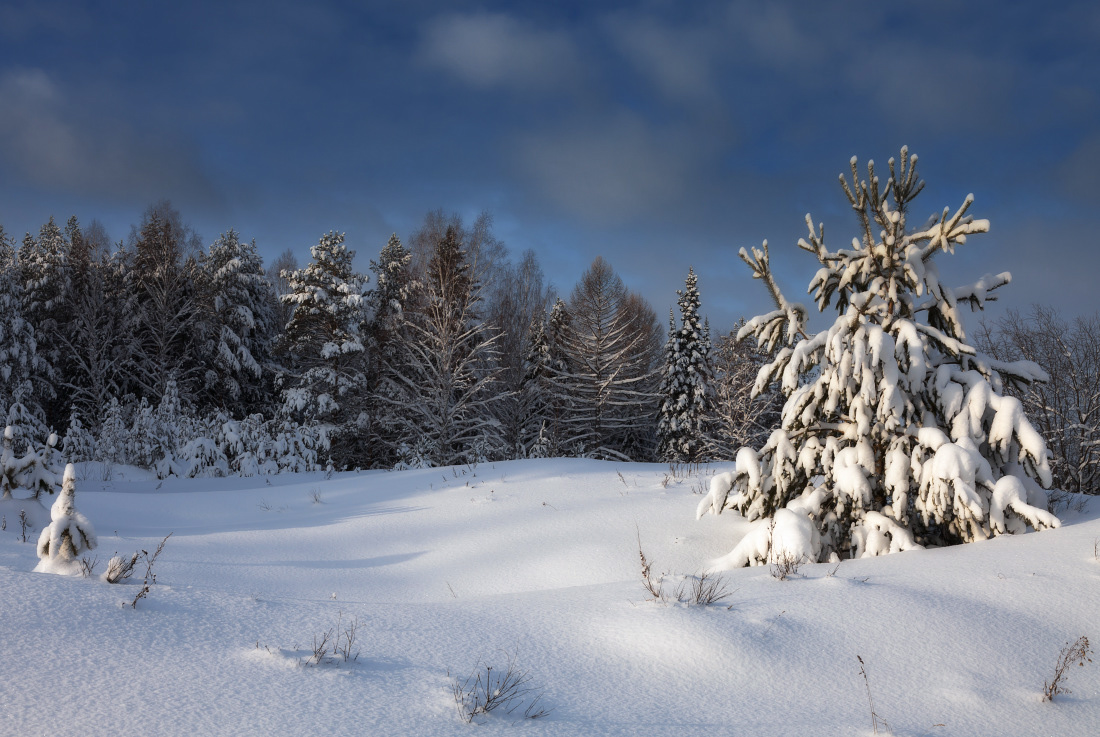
445	568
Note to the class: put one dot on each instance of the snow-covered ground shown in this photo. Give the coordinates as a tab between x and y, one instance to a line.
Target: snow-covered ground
448	568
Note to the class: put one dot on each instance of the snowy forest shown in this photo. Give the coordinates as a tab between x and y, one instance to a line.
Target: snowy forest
188	360
192	360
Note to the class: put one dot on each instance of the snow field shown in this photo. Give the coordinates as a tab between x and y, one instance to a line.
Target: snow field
537	558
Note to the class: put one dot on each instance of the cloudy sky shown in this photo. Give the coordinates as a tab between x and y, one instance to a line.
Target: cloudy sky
656	134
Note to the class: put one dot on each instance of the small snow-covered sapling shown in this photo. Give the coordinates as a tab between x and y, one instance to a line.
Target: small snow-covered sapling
69	534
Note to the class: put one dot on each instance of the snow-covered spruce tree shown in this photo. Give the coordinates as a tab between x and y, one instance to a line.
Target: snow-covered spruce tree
895	433
685	396
443	384
392	287
239	304
535	396
69	534
323	338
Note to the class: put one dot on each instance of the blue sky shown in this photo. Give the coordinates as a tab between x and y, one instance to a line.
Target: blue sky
655	134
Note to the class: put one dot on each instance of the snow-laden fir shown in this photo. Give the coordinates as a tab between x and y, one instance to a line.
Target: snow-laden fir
684	393
69	535
896	433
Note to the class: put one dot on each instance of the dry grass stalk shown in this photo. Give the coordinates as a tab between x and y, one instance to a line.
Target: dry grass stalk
1077	653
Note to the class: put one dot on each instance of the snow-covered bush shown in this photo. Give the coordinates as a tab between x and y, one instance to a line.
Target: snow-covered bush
40	470
895	433
204	458
69	534
78	445
114	437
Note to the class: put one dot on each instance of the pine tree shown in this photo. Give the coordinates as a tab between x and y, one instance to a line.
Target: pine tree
168	326
323	338
69	534
41	473
239	304
443	385
535	397
394	289
684	391
393	285
896	432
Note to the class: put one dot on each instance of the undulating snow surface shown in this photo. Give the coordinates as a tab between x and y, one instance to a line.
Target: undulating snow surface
538	559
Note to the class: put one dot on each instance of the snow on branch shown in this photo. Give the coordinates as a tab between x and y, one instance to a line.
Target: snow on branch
788	319
895	433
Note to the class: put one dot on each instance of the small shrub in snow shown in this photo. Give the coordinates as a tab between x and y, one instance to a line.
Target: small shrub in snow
785	565
703	590
1077	653
336	644
23	524
68	535
119	569
896	432
490	689
88	565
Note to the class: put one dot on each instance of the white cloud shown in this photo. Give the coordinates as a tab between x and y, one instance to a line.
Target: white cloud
613	169
489	50
677	61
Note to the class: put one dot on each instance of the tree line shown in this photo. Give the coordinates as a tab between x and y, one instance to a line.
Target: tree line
160	352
